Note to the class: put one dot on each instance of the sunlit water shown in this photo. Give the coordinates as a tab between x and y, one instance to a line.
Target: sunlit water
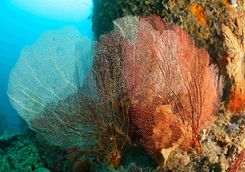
21	23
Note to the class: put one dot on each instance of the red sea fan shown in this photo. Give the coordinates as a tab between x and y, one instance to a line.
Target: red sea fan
173	88
239	164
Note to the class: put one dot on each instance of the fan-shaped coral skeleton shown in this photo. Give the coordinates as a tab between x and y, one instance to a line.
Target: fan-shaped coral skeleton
234	42
173	88
65	101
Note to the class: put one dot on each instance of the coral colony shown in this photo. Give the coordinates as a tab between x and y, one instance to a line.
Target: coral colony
145	84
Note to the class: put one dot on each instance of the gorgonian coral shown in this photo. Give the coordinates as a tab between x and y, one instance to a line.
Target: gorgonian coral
235	48
174	90
71	105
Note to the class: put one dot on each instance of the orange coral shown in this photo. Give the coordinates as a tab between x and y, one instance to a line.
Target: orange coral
228	6
236	101
198	11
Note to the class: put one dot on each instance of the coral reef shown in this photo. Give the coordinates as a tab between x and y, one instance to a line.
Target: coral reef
202	19
173	90
220	146
19	153
30	152
235	47
145	97
198	11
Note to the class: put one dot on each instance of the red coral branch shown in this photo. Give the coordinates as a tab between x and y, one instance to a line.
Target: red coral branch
239	164
173	89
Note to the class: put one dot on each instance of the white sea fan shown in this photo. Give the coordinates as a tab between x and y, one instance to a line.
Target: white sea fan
50	70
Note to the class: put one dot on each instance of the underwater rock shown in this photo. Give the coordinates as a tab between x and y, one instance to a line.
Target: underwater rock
42	170
31	152
203	24
19	153
234	43
236	67
220	148
239	164
4	163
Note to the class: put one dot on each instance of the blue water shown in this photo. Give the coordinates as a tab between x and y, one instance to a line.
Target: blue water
18	28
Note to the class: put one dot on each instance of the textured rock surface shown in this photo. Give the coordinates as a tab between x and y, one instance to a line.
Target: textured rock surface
19	153
235	47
